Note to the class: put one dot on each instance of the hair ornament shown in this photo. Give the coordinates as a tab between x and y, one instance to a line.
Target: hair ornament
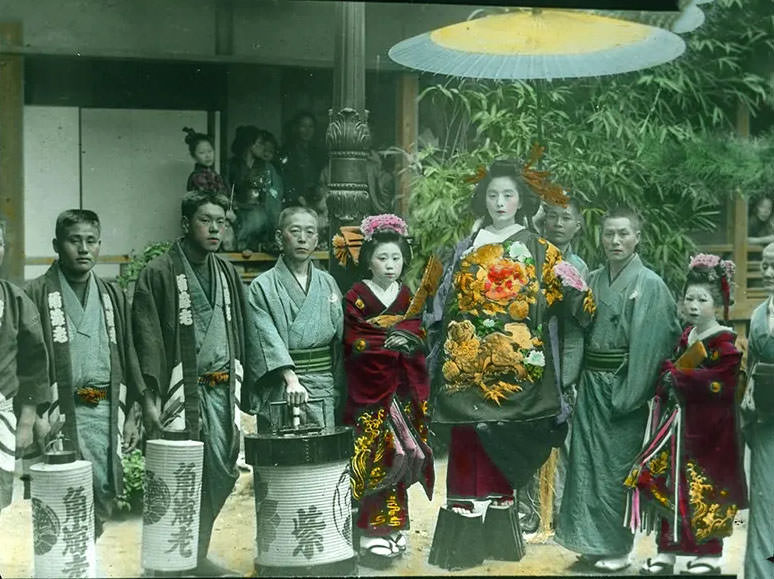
385	221
346	244
718	271
538	181
479	176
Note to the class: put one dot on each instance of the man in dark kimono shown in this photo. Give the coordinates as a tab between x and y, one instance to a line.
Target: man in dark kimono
188	313
93	368
23	376
296	316
634	331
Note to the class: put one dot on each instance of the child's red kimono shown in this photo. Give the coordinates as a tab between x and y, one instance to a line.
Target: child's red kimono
387	393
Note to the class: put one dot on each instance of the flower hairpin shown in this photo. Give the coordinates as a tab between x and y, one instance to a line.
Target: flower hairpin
713	262
385	221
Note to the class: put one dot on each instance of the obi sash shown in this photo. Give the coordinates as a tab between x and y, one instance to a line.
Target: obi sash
763	391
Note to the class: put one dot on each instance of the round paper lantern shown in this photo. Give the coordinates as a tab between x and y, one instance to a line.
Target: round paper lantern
171	504
63	517
303	502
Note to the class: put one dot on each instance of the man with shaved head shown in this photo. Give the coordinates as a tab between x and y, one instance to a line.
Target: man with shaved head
634	330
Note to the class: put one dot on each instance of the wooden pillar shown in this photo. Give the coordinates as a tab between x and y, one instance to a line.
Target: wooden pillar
739	220
348	136
11	149
224	46
406	133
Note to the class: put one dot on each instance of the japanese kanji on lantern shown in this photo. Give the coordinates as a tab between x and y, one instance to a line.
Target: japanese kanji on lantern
63	516
172	500
302	500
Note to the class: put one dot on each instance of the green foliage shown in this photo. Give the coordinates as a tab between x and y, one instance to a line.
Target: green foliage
661	140
138	262
134	475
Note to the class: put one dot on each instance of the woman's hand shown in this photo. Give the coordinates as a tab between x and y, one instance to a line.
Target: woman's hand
396	342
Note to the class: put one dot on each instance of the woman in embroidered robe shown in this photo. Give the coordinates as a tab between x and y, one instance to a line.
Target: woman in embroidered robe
387	391
699	431
758	412
495	335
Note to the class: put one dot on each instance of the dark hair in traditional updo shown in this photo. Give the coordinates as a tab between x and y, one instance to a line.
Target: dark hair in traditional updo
381	237
192	139
244	138
510	168
717	275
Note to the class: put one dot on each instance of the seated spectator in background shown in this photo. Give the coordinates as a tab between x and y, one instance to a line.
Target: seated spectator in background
276	188
304	160
258	206
246	149
760	226
270	148
203	177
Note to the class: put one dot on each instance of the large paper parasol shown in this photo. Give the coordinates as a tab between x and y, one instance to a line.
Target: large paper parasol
539	44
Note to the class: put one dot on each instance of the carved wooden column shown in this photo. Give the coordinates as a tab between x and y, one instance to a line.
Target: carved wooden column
348	136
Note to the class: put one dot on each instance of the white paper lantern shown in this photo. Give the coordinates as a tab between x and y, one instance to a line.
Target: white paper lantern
171	504
63	518
303	503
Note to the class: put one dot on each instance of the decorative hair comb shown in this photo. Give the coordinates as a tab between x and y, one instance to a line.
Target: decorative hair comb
538	180
722	270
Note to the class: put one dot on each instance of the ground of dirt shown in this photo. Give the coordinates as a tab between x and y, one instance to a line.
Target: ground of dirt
118	550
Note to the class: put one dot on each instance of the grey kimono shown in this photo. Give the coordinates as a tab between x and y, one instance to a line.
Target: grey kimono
296	328
760	438
634	331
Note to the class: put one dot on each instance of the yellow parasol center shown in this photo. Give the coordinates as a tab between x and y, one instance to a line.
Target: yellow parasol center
540	32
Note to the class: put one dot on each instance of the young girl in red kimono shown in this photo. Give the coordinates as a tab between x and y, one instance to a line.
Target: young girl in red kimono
689	480
387	391
203	177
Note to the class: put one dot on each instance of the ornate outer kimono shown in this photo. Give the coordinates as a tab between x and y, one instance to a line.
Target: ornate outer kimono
759	435
70	361
23	373
387	395
636	324
290	326
184	339
703	455
495	357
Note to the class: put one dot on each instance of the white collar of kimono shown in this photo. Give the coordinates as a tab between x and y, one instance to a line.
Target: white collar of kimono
694	337
485	237
385	296
770	308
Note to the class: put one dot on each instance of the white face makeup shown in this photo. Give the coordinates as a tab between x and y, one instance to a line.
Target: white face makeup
502	201
386	264
699	306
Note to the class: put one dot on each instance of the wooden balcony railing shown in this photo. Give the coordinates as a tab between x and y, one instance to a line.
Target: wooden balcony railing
748	290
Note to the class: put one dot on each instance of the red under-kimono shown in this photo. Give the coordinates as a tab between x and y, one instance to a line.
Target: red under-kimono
387	395
711	478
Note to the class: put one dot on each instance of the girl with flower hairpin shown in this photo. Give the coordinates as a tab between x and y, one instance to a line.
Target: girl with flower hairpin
387	391
688	481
